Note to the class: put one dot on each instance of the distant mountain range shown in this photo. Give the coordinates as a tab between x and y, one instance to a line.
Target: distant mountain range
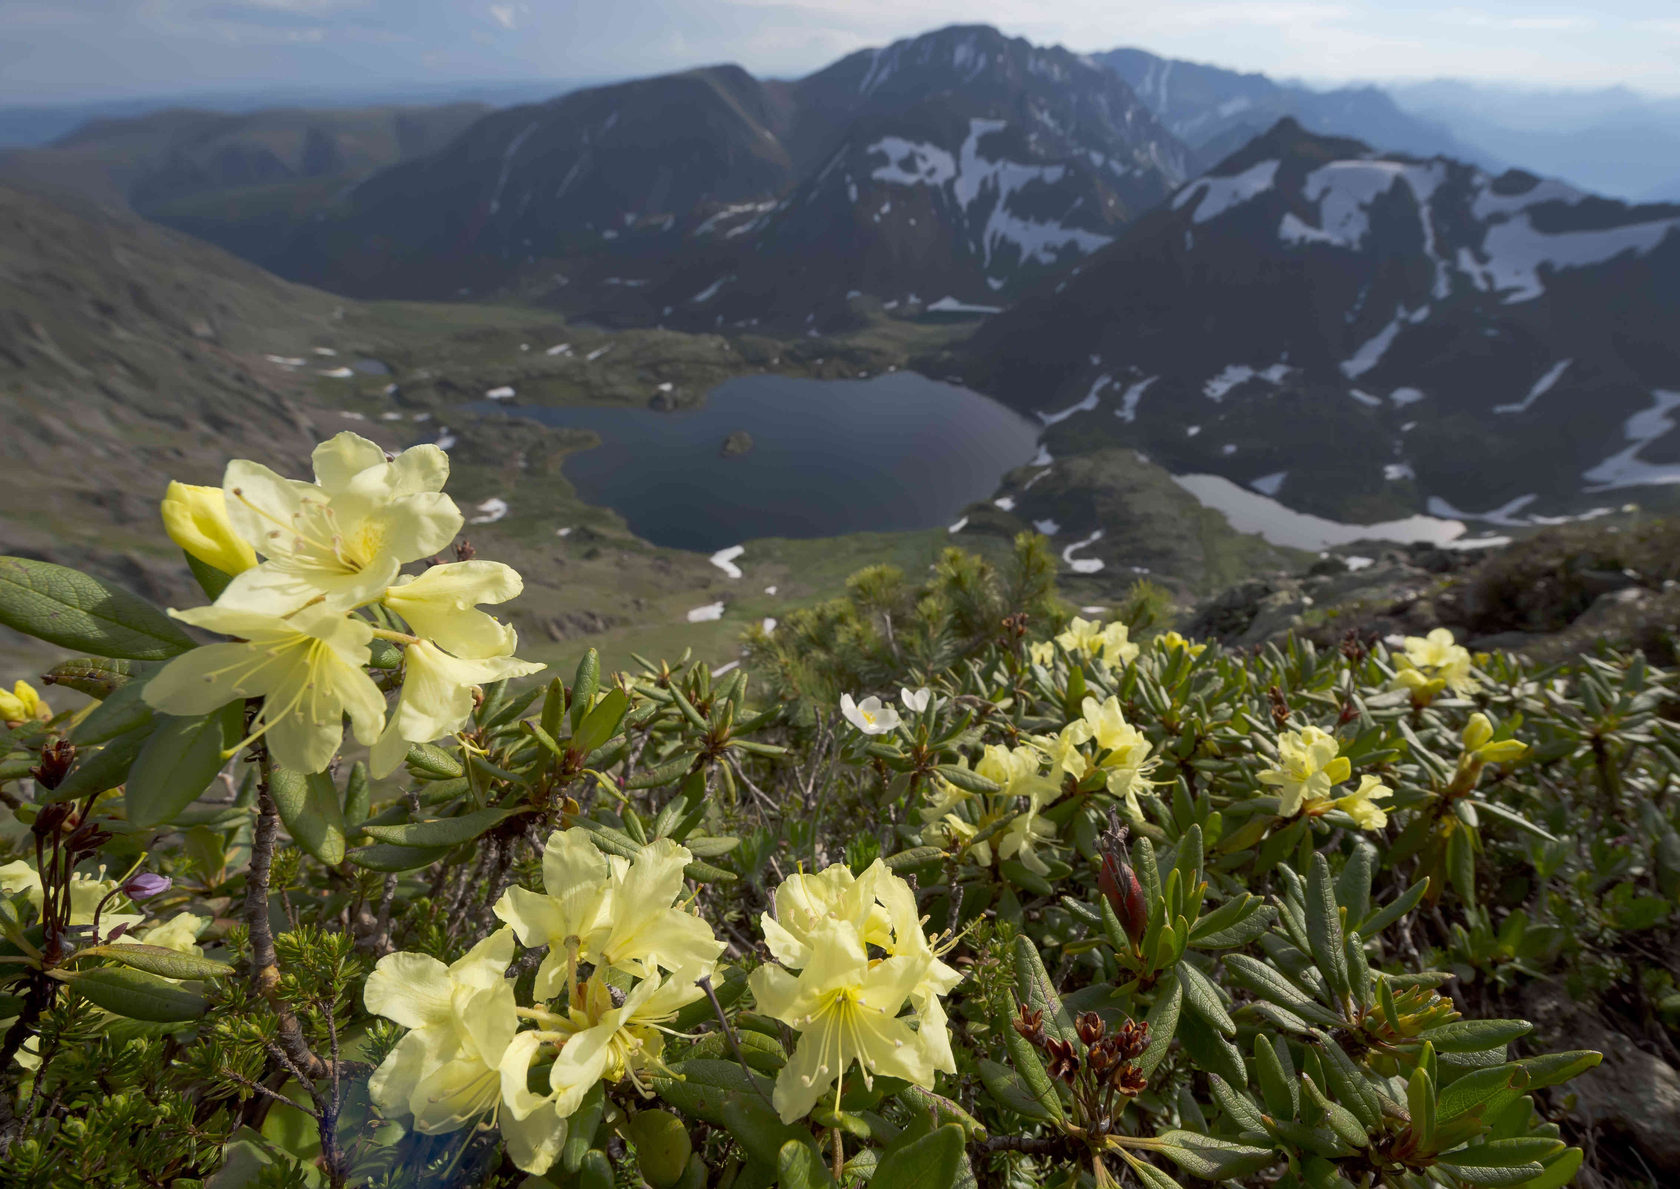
957	167
241	180
1367	335
1216	111
1613	141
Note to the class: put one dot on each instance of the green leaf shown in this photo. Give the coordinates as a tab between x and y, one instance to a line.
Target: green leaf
443	831
1162	1020
138	995
601	723
1277	1080
1210	1051
155	959
179	759
96	771
1005	1085
1478	1087
916	856
1387	915
1151	1176
433	761
585	683
385	857
310	809
584	1122
931	1162
76	610
122	711
1559	1172
96	676
1034	988
1474	1036
1324	930
1203	998
966	779
800	1166
357	791
1211	1158
1235	922
1273	987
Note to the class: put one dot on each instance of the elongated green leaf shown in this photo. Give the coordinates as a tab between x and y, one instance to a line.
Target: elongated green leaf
138	995
385	857
155	959
931	1162
310	809
122	711
1277	1081
1203	998
601	723
443	831
1324	930
1393	911
1211	1158
1162	1020
584	685
1273	987
179	759
1474	1036
1005	1085
433	761
76	610
96	676
1034	989
1151	1176
1236	922
104	769
916	856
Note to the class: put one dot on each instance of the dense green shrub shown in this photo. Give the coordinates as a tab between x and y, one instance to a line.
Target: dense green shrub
972	894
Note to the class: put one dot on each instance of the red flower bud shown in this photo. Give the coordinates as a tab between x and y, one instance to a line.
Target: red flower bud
1124	894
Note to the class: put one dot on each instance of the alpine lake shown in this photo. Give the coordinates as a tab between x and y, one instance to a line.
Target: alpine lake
775	456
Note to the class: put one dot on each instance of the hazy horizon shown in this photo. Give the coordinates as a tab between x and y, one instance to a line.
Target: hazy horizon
127	50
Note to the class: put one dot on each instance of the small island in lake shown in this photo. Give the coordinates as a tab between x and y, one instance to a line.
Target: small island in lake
739	442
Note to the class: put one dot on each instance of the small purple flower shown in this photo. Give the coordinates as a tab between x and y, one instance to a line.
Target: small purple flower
146	885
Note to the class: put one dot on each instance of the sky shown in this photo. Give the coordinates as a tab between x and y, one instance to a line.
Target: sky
60	51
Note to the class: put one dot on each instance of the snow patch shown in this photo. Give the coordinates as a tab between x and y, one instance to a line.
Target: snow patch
559	349
950	305
1251	512
1220	194
1406	396
1625	468
597	353
502	393
710	291
339	373
1515	252
1083	565
958	526
1083	406
1047	526
1006	502
707	613
1269	484
724	559
490	511
1130	398
912	163
1541	386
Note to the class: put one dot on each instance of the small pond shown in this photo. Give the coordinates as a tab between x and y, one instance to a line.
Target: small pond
826	457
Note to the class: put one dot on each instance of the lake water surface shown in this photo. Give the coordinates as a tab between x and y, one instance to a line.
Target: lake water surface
892	453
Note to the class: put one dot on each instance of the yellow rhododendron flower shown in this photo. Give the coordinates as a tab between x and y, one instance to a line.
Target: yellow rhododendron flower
196	519
1308	767
437	699
1062	749
1479	742
23	705
1123	751
1172	640
845	1007
1361	804
307	667
1432	663
343	538
1042	653
1023	834
447	1071
441	605
608	911
593	1040
1089	638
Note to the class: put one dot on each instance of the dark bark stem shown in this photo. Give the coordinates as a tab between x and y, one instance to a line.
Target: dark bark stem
265	963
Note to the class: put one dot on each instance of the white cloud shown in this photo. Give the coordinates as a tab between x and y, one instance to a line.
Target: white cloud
503	13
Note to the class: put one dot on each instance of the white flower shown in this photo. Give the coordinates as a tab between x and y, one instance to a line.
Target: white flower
869	715
916	700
